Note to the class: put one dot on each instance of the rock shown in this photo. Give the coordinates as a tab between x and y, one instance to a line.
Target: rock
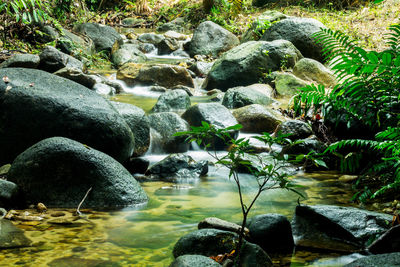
166	124
41	105
216	223
296	128
8	194
177	167
58	171
189	90
388	242
11	236
52	60
336	228
22	61
304	146
132	21
201	68
299	31
256	119
103	36
177	25
175	35
313	71
272	232
194	260
151	38
4	169
382	260
260	24
76	75
139	124
167	46
104	89
76	261
159	74
249	62
70	42
254	255
127	53
49	34
286	84
137	165
211	39
175	101
180	53
238	97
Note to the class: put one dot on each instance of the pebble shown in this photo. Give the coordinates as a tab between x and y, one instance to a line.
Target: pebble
40	207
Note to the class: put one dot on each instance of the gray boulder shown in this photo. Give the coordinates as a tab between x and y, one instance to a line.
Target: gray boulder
194	260
11	236
287	84
382	260
178	167
211	39
8	194
272	232
166	124
139	124
175	101
296	128
69	42
313	71
103	36
36	105
127	53
167	46
76	75
52	60
336	228
256	119
22	61
238	97
59	171
151	38
249	62
299	31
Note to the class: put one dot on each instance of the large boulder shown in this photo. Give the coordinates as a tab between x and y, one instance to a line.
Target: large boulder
175	100
103	36
287	84
241	96
272	232
337	228
35	105
256	119
194	260
211	39
166	124
70	42
22	61
311	70
52	60
59	171
249	62
178	167
139	124
127	53
158	74
382	260
299	31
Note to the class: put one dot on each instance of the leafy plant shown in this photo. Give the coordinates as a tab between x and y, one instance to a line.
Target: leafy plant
26	11
269	175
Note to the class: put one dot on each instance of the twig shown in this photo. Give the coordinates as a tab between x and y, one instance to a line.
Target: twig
83	200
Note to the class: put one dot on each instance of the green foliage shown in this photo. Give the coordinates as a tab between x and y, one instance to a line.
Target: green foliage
25	11
260	26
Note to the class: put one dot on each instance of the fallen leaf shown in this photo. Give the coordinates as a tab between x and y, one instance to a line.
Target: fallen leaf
8	88
6	79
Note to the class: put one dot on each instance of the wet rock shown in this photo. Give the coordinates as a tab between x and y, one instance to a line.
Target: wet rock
78	168
216	223
180	53
254	255
194	260
75	261
238	97
313	71
52	60
8	194
201	68
286	84
42	105
139	124
127	53
103	89
272	232
159	74
178	167
256	119
189	90
336	228
103	36
166	124
174	101
296	128
298	31
304	146
22	61
76	75
11	236
176	35
388	242
261	23
249	62
151	38
211	39
70	42
382	260
167	46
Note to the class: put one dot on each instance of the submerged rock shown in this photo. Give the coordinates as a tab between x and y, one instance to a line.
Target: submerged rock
194	260
59	171
76	261
11	236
